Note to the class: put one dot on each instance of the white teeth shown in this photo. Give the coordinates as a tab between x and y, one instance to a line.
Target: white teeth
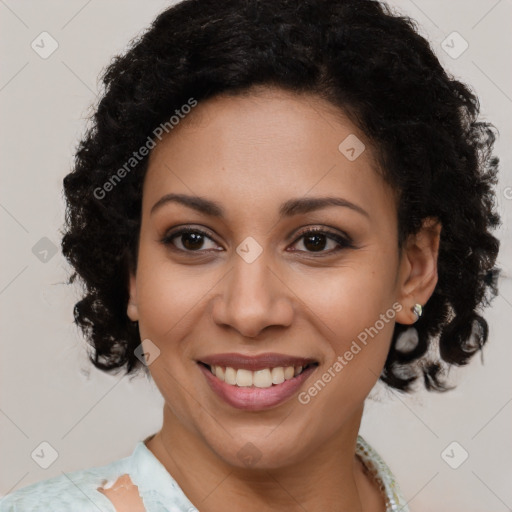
262	378
244	378
289	372
259	378
277	375
219	372
230	376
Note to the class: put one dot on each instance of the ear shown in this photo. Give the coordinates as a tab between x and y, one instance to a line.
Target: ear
132	310
418	269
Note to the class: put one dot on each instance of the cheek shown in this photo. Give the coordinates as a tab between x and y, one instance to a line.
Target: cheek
167	295
357	348
350	298
166	302
353	309
162	303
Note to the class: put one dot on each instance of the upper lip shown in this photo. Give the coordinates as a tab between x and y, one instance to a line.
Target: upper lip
256	362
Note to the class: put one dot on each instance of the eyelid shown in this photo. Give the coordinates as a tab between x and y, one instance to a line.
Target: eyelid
180	230
324	230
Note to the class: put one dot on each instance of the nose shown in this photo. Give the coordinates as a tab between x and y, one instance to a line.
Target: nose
253	297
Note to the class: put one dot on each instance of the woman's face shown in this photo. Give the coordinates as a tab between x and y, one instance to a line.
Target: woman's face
249	280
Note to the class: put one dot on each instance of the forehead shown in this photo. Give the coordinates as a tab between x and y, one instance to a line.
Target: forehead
265	148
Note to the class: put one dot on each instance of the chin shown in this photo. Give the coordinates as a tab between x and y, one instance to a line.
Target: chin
262	450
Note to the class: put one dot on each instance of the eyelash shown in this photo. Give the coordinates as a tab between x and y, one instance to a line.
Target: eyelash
344	242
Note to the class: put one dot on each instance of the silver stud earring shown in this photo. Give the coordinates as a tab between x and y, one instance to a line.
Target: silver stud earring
418	311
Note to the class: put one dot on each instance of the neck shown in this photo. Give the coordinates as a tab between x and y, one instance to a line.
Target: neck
331	478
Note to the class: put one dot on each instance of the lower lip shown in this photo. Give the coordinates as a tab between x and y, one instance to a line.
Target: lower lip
253	398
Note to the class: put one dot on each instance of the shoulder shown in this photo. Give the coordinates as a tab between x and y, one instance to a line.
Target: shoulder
77	490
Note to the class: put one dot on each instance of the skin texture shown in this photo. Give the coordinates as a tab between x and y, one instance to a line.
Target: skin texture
124	495
250	154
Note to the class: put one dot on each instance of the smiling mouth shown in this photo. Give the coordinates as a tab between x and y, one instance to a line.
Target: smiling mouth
263	378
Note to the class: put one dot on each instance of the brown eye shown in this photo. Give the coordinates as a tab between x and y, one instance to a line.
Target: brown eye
316	240
191	240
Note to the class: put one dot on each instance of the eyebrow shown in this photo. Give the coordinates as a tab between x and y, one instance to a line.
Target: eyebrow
287	209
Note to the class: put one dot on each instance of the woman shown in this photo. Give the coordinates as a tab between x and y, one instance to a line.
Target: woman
278	204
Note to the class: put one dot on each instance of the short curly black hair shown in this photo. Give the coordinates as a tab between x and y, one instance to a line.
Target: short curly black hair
359	55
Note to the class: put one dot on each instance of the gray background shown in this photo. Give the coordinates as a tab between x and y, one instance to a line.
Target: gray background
49	391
